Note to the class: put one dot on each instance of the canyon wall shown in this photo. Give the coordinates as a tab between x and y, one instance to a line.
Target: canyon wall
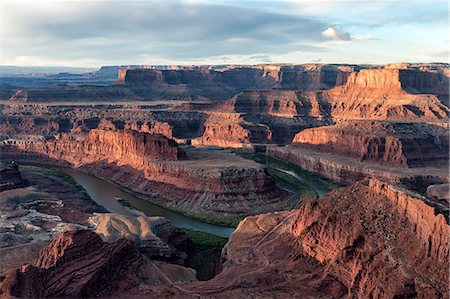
222	83
345	169
398	144
127	146
199	182
284	103
48	125
390	94
232	131
78	264
377	240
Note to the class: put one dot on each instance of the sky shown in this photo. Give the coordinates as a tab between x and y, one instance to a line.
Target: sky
87	33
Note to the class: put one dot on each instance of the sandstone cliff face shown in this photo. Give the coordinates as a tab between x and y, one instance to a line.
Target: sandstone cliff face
10	177
46	124
313	77
377	240
222	83
123	146
394	143
345	169
390	94
275	102
78	264
207	182
232	131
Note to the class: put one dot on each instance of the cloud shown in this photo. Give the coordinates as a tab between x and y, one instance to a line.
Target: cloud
125	31
335	34
112	32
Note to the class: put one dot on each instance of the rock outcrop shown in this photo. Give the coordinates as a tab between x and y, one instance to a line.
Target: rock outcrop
390	94
126	146
232	131
345	169
154	236
203	182
440	191
378	240
398	144
10	177
284	103
78	264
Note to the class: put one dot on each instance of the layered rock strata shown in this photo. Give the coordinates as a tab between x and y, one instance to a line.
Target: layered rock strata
380	93
10	177
78	264
345	169
232	131
219	84
398	144
396	246
390	94
208	181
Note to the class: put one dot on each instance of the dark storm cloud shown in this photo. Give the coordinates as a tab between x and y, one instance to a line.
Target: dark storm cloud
172	30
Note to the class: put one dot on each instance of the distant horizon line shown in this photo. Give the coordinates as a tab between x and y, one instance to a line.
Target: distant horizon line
220	64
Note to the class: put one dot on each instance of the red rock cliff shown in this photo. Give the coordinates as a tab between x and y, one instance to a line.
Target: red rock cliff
394	143
377	240
390	93
125	147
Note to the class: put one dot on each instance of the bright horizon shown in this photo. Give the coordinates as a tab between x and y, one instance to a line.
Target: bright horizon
92	34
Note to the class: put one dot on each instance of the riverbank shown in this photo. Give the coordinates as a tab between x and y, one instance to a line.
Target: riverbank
103	191
305	183
229	221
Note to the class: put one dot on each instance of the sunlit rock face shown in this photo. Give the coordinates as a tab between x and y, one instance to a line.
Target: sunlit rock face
397	144
371	239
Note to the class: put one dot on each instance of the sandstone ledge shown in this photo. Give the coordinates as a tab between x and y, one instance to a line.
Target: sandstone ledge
348	170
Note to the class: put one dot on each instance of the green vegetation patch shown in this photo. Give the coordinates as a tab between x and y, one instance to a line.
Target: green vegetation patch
125	203
49	171
204	254
205	239
224	220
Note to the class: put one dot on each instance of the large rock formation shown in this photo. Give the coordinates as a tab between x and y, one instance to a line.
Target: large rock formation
390	94
205	182
78	264
399	144
283	103
378	241
127	147
232	131
345	169
222	83
10	177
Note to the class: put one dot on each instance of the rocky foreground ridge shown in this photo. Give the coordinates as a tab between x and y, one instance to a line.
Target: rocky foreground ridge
378	240
370	239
